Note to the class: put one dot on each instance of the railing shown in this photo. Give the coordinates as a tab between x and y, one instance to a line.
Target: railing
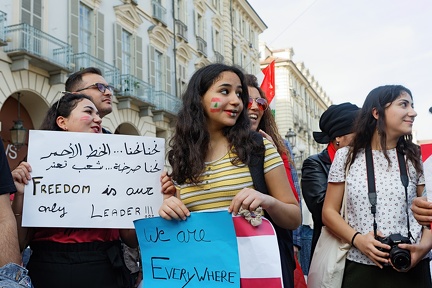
2	25
218	57
159	11
202	45
181	29
167	102
132	86
25	38
109	72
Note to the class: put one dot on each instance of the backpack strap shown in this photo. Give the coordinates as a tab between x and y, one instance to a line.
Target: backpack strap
256	167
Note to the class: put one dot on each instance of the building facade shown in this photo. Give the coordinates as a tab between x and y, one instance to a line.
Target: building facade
146	49
300	101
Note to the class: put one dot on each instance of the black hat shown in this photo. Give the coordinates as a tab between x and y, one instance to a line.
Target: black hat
336	121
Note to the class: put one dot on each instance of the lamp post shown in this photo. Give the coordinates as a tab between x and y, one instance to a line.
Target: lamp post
18	131
291	136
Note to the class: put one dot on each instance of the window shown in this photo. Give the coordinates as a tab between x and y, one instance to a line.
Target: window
218	42
159	75
85	28
126	52
200	26
31	13
181	11
181	86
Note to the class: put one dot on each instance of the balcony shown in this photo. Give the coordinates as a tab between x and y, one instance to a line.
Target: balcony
2	30
134	91
167	102
110	73
28	45
202	46
218	57
181	29
159	12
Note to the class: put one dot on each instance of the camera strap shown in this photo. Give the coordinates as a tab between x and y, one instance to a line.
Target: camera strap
372	187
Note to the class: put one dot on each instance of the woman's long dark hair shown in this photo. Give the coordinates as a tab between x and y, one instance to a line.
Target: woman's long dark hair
365	125
190	142
62	107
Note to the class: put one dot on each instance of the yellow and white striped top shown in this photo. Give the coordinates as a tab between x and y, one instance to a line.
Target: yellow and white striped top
222	180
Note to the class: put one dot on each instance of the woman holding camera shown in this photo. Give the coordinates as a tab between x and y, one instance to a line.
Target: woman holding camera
384	176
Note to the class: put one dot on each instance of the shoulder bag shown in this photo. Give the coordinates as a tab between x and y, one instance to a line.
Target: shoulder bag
328	260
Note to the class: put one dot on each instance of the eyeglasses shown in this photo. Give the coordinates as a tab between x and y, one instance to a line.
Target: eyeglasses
100	86
261	102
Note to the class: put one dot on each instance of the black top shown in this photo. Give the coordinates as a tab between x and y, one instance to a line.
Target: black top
6	182
315	173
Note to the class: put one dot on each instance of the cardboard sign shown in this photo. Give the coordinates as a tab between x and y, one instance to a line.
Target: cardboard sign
88	180
206	251
198	252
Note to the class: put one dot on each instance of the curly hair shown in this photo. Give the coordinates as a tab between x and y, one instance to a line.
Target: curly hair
190	142
365	125
268	123
62	107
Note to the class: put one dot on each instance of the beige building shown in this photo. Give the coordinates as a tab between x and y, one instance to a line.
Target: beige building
147	49
300	101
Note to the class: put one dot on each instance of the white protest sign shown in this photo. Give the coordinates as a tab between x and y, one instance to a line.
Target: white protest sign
88	180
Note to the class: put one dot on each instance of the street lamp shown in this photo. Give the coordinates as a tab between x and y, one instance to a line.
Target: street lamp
290	136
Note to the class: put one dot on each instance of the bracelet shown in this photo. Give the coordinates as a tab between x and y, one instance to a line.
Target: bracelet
352	239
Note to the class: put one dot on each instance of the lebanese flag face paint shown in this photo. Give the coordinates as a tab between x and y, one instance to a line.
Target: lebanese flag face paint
215	104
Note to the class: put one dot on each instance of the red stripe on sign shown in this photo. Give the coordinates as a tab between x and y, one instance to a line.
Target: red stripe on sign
260	282
244	229
426	151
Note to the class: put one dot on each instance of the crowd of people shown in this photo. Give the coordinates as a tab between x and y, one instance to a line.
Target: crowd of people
223	125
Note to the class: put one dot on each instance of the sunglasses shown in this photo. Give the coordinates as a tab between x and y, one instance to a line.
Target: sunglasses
100	86
261	102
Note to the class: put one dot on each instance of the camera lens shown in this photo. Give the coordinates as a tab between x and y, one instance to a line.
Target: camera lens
401	259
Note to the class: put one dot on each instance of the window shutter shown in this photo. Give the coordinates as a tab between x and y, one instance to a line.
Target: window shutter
74	24
118	45
152	66
168	74
25	17
37	14
100	51
138	57
196	23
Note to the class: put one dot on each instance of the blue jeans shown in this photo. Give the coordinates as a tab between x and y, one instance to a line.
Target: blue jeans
14	276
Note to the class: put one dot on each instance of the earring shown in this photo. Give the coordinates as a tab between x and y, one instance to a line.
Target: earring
337	143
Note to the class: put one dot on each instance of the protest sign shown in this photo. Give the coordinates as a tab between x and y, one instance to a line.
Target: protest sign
260	264
198	252
426	151
206	251
88	180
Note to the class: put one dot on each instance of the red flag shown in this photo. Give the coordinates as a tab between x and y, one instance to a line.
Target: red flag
268	83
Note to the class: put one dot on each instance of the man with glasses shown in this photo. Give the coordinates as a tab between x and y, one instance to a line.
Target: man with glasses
90	81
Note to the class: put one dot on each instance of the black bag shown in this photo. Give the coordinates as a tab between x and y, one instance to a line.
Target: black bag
284	236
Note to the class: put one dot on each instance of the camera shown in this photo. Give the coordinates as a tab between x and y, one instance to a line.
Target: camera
401	258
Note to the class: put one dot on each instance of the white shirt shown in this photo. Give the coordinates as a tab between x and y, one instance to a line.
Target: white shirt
391	203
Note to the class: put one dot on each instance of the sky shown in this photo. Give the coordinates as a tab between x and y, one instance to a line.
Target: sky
352	47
